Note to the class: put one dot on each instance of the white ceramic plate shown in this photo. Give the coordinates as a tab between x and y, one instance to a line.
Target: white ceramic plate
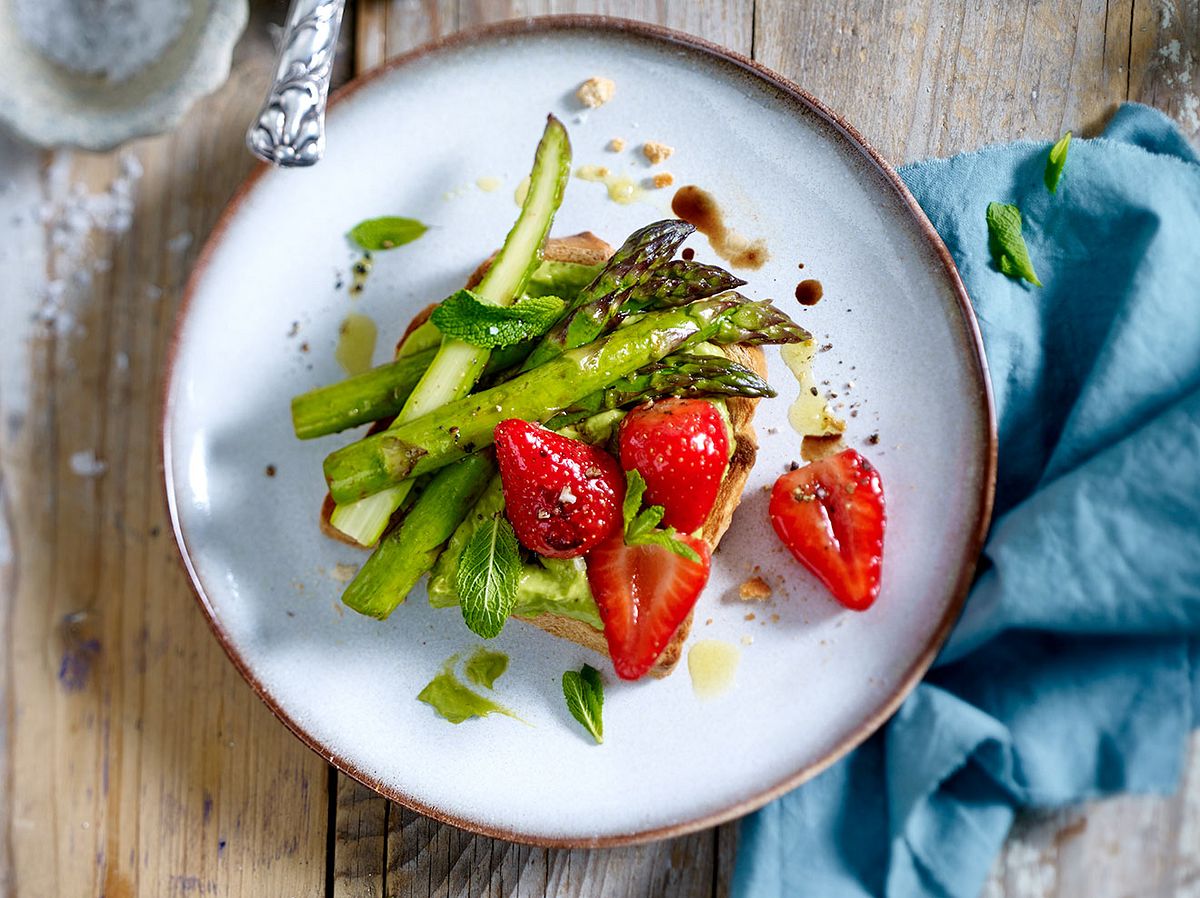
412	140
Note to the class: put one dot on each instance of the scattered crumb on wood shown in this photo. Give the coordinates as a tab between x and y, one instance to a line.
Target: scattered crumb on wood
596	92
616	144
1070	831
656	151
754	589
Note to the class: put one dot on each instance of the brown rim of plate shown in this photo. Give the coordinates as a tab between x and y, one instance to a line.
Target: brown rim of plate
986	414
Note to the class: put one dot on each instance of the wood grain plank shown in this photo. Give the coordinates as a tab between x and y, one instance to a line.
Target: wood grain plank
22	260
387	28
1164	59
138	761
360	841
932	79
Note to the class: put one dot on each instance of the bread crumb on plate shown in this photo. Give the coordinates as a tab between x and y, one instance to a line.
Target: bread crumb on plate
754	589
616	144
342	572
663	179
656	152
596	91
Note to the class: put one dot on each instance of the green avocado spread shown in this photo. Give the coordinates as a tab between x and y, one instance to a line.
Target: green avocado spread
451	698
485	667
562	279
556	585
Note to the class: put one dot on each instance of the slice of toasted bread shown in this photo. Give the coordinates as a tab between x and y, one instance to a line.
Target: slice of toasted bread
587	249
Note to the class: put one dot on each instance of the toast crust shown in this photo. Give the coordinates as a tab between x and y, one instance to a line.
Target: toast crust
586	248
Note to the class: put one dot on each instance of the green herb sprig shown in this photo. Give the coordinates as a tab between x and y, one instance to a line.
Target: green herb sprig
641	524
489	574
1007	243
584	692
465	317
386	233
1056	161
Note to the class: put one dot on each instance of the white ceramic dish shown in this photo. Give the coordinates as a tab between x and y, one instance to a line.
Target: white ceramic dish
53	106
405	140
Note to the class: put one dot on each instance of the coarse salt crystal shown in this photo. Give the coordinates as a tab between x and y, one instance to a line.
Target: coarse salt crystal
85	464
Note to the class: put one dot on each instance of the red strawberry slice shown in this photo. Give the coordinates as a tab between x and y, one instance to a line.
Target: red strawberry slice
830	514
643	592
681	448
561	496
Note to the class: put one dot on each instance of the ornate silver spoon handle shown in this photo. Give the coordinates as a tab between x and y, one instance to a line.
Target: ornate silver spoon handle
290	128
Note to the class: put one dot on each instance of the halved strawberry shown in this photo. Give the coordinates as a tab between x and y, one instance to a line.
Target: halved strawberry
561	496
643	592
681	448
830	514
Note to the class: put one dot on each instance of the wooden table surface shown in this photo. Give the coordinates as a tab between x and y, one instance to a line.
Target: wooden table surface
133	759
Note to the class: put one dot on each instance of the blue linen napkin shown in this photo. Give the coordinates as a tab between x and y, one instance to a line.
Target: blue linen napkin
1073	670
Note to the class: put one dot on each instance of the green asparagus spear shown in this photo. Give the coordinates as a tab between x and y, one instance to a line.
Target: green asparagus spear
679	374
594	307
677	282
457	365
410	550
422	337
379	393
756	324
369	396
434	440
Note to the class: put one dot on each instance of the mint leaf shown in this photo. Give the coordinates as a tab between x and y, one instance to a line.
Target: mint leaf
668	539
1056	161
643	523
386	233
489	573
584	692
1008	244
465	317
635	488
641	526
484	668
